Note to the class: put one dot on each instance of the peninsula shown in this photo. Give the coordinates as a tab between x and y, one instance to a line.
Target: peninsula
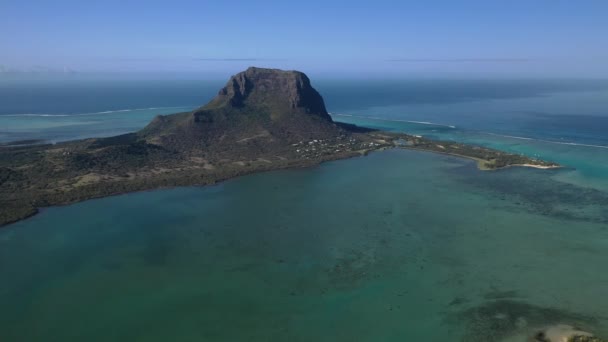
263	119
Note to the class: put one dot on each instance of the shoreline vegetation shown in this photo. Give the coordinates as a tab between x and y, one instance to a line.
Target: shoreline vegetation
262	120
487	159
21	197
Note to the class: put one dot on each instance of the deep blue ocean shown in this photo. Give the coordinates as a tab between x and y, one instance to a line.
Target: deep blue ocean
572	111
396	246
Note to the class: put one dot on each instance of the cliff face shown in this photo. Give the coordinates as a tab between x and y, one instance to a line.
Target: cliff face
264	107
279	92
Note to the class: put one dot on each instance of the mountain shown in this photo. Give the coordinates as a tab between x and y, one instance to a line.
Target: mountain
258	109
263	119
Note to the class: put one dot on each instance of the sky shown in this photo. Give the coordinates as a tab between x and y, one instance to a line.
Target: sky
398	38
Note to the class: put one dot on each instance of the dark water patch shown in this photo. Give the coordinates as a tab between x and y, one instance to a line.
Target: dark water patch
156	250
537	192
351	270
458	301
501	294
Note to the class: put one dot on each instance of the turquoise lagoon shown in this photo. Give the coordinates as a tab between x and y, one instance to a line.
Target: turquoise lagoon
395	246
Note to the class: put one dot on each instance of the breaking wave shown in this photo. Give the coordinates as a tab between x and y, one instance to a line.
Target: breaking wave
94	113
487	133
395	120
546	141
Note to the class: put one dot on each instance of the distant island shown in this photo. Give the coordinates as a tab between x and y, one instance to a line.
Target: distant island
263	119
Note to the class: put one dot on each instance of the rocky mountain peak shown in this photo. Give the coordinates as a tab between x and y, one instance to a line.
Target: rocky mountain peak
277	91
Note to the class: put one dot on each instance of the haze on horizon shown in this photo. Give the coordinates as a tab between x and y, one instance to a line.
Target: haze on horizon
446	38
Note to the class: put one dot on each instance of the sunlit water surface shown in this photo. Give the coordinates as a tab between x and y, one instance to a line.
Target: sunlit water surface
396	246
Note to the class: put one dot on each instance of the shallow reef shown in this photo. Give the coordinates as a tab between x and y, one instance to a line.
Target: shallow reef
505	319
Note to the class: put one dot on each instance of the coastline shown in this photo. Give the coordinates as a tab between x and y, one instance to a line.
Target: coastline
542	167
152	184
122	188
261	120
481	163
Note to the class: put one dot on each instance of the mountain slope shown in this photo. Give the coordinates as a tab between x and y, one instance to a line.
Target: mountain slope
257	109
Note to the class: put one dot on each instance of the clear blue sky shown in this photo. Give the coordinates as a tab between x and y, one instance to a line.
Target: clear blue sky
527	37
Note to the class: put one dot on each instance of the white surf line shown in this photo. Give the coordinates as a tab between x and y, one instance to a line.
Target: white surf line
546	141
95	113
488	133
394	120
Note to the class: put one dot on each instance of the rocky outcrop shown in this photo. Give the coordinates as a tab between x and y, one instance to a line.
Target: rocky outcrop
268	89
261	107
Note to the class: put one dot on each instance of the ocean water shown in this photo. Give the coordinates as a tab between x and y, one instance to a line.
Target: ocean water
59	110
396	246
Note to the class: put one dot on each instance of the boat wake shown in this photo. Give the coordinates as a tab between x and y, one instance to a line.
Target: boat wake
91	114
